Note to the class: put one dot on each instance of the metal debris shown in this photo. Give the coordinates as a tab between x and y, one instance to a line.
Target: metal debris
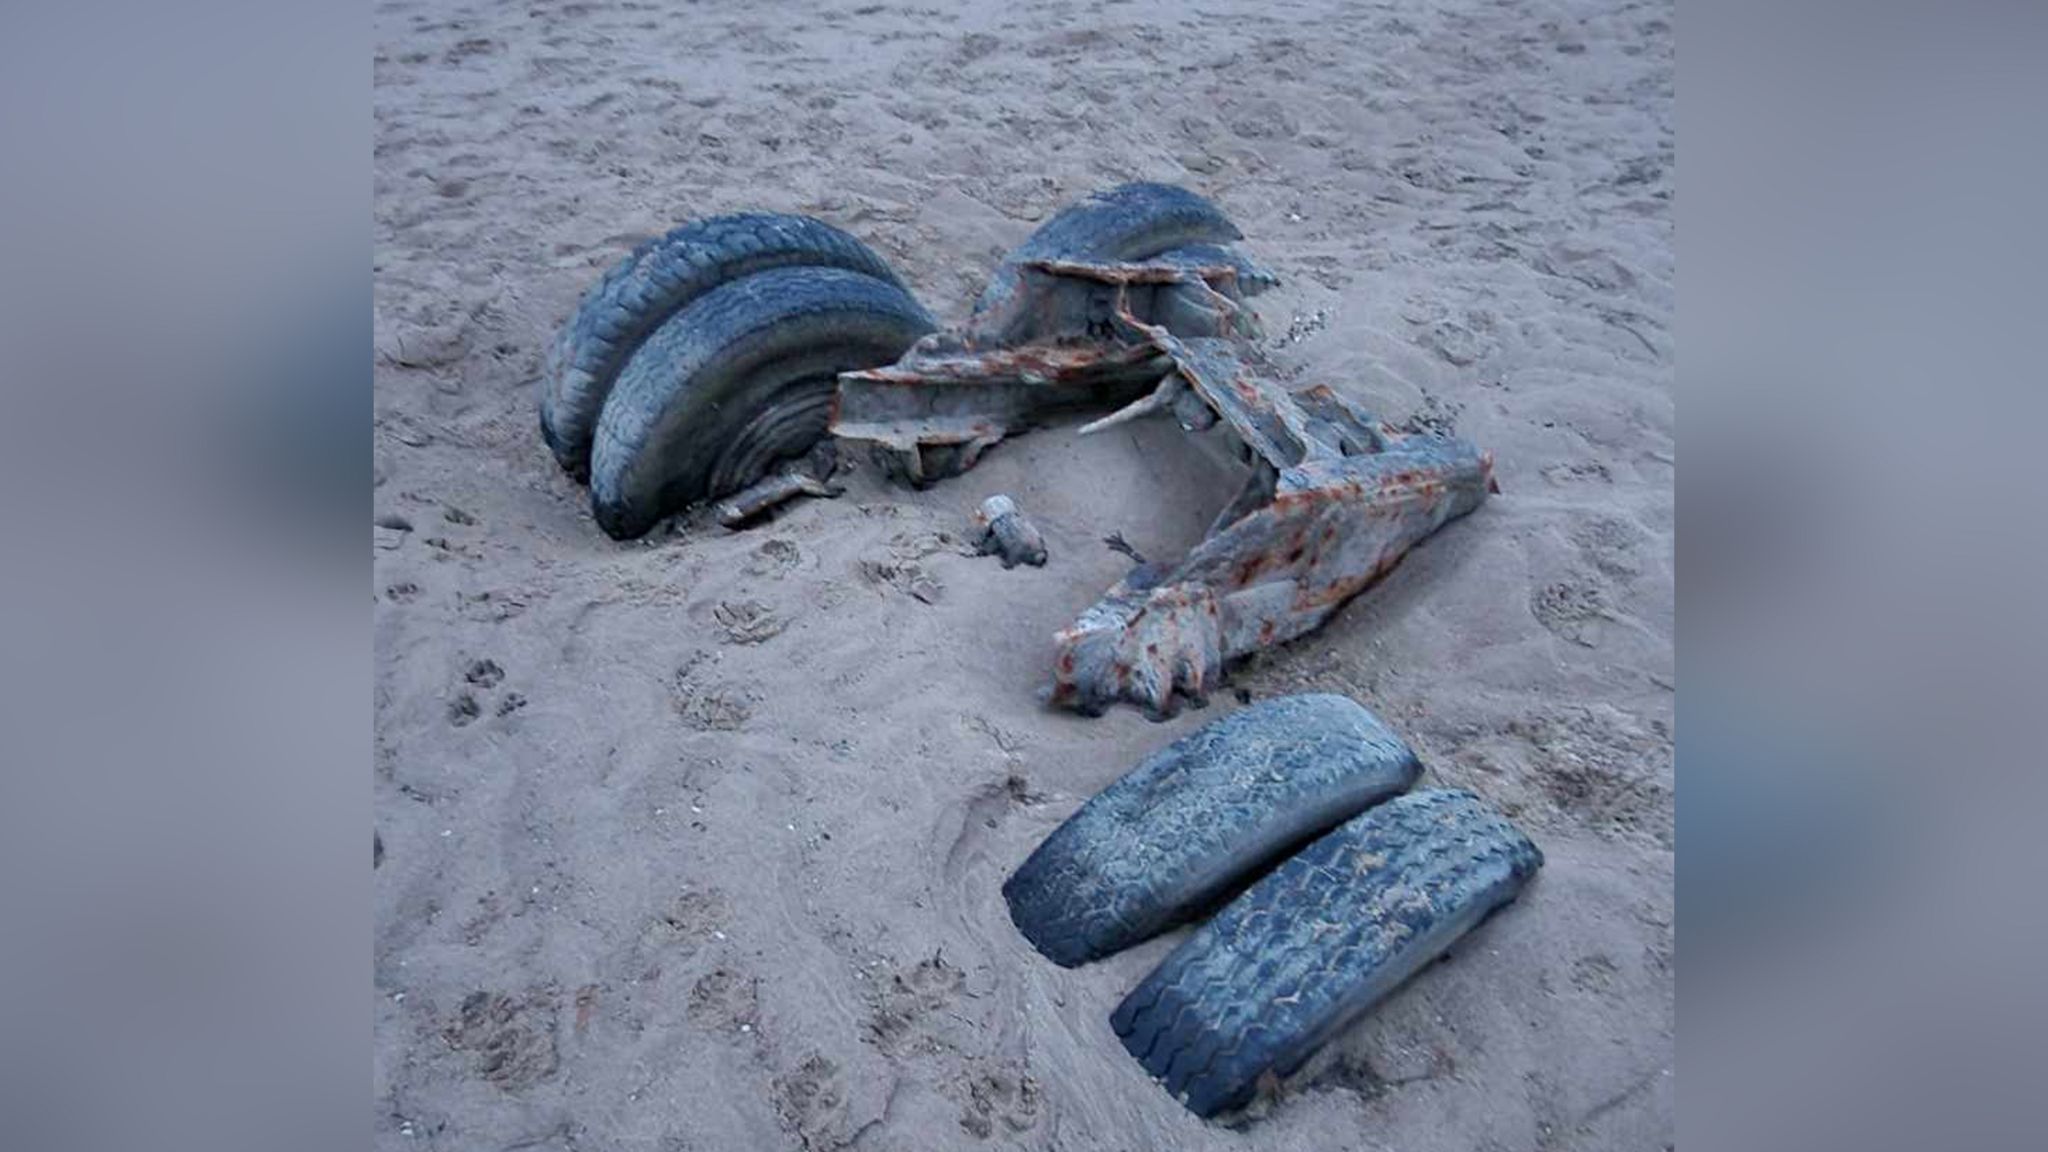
1007	533
737	510
1332	499
1116	543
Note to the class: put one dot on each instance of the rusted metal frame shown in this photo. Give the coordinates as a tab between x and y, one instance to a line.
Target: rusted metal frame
1334	500
1331	528
1054	347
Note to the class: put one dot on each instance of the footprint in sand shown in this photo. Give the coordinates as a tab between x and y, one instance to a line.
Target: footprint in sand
930	985
463	710
725	1001
511	1038
811	1099
999	1095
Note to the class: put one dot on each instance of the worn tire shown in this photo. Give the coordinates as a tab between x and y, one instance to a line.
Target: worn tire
1188	825
1252	277
740	378
659	278
1310	947
1128	222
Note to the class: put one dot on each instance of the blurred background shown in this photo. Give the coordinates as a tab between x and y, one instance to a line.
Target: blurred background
186	716
1859	742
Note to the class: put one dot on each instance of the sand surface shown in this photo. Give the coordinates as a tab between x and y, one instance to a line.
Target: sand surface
695	843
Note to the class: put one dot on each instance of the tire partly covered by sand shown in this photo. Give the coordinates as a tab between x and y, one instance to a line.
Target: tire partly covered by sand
738	379
660	278
1127	222
1318	941
1198	818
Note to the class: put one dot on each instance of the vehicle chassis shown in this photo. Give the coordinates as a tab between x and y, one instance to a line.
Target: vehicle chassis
1334	499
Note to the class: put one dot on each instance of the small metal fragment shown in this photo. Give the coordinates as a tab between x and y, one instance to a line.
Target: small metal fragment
1007	533
1123	547
736	510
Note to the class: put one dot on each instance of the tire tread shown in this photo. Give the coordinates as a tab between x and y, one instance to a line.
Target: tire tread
659	278
1189	823
1317	942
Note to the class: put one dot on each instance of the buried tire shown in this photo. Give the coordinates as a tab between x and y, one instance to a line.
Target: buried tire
1195	819
740	378
661	277
1127	222
1313	945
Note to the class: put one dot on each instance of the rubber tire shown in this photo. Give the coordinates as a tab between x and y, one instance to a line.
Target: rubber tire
1252	277
1128	222
1313	945
1190	824
758	356
658	279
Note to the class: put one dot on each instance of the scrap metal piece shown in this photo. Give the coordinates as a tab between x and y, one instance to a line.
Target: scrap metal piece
738	509
1122	547
1335	497
1057	345
1006	533
1331	529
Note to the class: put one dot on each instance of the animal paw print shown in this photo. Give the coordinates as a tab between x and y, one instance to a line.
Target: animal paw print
811	1100
463	710
482	676
999	1095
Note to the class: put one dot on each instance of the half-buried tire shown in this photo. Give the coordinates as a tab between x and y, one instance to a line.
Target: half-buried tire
742	377
1317	942
1198	818
1127	222
657	280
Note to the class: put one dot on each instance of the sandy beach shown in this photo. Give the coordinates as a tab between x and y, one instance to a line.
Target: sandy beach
695	843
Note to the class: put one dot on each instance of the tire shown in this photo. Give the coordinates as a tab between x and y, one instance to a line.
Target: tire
1183	829
1306	950
658	279
1128	222
740	378
1252	277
